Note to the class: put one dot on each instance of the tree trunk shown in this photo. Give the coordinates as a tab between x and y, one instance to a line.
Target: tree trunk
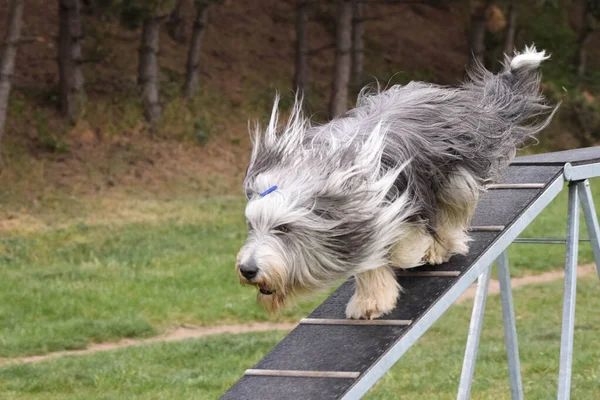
301	70
358	43
584	35
477	33
70	58
148	68
176	23
193	61
8	54
341	72
511	29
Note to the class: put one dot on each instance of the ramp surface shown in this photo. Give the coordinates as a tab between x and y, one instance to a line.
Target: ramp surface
361	354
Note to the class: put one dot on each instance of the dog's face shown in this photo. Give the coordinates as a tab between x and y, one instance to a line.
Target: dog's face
307	238
319	209
291	246
268	257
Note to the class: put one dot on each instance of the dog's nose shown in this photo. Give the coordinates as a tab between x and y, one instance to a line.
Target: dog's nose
249	270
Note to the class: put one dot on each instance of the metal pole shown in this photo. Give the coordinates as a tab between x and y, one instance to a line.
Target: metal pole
510	327
387	360
591	219
545	240
568	317
466	377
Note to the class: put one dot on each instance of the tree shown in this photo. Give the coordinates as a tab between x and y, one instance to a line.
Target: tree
511	29
176	22
301	67
589	20
8	54
342	64
193	61
150	14
71	97
148	78
477	30
358	43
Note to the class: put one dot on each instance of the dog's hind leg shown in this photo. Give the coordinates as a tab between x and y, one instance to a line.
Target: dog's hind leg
456	204
376	294
451	240
411	249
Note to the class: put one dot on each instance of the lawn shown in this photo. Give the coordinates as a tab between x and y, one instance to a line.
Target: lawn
432	368
205	368
80	282
135	266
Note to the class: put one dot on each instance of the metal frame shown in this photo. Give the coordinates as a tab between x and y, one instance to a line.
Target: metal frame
591	220
579	191
574	173
546	240
468	369
480	269
568	316
510	331
419	327
510	327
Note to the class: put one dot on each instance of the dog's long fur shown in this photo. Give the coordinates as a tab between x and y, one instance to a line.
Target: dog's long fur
393	182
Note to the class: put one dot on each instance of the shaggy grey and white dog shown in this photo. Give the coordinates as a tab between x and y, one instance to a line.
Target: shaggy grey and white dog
393	183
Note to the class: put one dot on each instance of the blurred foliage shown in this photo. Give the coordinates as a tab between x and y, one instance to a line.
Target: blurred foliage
549	25
134	12
202	130
48	140
560	38
585	114
594	8
131	12
221	107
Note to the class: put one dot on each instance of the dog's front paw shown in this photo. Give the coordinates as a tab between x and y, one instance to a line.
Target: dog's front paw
361	307
436	254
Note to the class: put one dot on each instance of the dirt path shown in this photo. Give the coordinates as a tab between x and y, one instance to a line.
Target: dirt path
198	332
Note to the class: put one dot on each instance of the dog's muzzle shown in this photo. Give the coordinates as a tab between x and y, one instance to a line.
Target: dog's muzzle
249	272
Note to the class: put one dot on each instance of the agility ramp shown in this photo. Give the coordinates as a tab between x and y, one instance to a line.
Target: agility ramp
330	357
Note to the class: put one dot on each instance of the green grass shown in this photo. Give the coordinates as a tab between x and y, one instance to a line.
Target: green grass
432	368
133	269
192	369
527	259
63	287
205	368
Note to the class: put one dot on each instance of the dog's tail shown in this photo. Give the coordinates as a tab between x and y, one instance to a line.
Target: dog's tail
513	97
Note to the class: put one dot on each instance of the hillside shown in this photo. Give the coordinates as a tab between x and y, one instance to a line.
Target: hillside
247	55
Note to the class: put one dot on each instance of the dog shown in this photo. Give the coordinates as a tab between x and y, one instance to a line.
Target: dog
393	183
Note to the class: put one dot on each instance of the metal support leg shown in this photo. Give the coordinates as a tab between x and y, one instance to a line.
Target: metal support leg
591	219
466	377
568	317
510	327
